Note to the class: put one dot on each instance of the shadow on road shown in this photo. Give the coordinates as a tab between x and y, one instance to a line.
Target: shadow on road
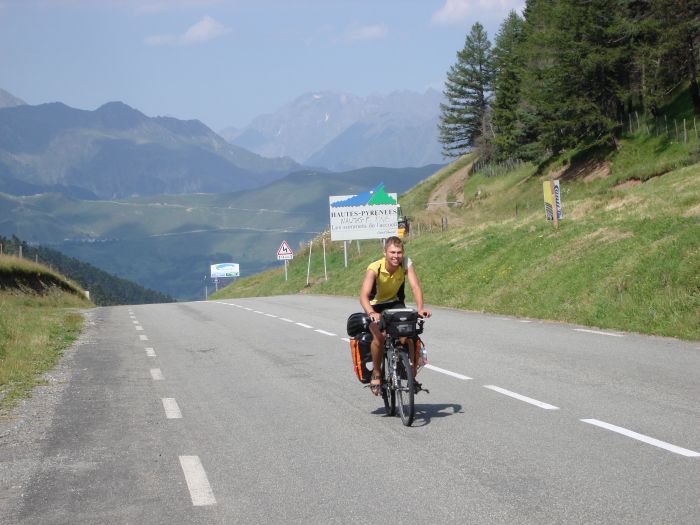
425	413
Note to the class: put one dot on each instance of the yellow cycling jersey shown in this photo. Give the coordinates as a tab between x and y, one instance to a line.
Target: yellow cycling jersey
388	288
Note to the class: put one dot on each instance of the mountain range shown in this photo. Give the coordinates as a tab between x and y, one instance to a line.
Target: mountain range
340	131
116	151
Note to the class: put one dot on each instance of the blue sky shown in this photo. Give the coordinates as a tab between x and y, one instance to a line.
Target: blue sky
226	61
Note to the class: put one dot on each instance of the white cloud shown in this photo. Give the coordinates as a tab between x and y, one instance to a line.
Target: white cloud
458	11
369	32
206	29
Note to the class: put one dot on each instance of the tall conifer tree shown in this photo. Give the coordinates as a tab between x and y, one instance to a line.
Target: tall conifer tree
467	91
507	65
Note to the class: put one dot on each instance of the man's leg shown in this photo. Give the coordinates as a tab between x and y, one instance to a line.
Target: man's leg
377	348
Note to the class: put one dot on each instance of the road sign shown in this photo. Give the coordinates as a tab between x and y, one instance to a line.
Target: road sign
285	252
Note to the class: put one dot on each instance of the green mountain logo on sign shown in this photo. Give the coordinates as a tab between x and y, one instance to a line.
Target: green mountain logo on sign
377	196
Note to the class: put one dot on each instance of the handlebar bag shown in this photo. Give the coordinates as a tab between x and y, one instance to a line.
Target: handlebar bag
400	322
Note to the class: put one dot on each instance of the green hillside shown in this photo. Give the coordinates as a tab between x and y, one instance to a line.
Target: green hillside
39	318
625	256
167	243
105	289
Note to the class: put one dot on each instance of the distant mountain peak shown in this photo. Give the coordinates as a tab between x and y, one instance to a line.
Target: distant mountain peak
8	100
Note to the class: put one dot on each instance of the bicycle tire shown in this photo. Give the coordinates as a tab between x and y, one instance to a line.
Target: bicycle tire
404	390
388	393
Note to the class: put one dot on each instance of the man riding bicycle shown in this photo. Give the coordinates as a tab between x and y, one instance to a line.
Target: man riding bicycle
382	289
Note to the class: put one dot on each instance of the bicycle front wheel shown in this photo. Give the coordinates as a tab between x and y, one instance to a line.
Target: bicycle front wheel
388	393
404	390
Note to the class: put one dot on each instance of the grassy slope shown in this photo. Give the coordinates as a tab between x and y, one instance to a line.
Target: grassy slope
625	256
35	327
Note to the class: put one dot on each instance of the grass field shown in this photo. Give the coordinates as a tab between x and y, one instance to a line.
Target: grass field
626	255
35	327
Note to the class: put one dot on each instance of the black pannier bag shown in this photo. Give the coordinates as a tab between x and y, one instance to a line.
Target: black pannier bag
361	351
358	323
400	322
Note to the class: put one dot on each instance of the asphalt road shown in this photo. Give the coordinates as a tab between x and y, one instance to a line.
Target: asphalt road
247	411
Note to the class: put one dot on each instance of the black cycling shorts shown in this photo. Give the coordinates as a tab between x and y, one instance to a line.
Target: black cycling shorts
379	308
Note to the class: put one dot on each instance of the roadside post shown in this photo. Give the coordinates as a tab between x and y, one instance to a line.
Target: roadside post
552	201
308	268
325	267
285	253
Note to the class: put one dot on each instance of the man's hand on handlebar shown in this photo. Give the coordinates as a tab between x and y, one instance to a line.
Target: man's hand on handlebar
424	313
375	316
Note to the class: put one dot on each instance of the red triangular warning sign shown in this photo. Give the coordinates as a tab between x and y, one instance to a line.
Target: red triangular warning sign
285	252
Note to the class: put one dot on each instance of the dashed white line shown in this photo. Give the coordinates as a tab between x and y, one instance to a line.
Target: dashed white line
597	332
271	315
143	337
197	482
172	410
524	321
249	309
150	352
139	328
641	437
285	319
526	399
304	325
156	374
447	372
257	312
135	322
325	333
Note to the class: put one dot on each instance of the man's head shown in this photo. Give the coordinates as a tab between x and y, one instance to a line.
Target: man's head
393	251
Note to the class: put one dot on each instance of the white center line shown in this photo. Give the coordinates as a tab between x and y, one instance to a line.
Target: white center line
150	352
139	328
156	374
197	482
135	322
257	312
447	372
597	332
540	404
172	411
641	437
249	309
304	325
143	337
270	315
325	333
285	320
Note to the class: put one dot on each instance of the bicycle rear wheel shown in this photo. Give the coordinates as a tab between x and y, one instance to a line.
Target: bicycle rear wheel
388	393
404	390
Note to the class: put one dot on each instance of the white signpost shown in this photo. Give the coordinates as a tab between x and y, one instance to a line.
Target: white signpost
369	215
285	253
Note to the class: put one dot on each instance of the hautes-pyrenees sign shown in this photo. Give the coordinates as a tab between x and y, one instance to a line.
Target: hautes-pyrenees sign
368	215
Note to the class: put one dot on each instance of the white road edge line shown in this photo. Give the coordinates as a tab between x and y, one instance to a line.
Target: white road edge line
271	315
325	333
197	482
526	399
172	411
150	352
285	319
257	312
304	325
597	332
156	374
641	437
447	372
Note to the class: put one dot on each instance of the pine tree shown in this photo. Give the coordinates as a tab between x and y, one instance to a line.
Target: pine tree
467	91
507	65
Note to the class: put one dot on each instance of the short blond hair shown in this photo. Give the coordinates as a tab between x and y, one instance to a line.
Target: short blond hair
393	241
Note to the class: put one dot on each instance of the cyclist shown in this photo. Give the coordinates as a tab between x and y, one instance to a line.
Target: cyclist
382	289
